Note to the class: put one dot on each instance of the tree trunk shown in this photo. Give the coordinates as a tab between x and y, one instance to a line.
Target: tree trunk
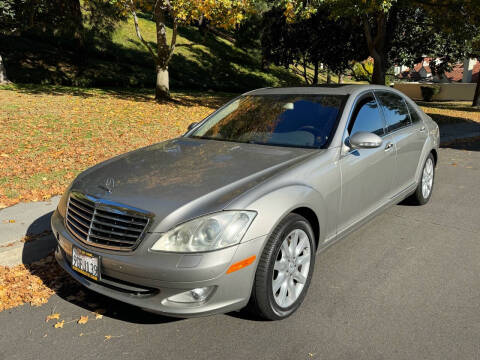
305	74
315	74
329	76
78	30
476	97
376	46
340	78
378	76
162	87
3	72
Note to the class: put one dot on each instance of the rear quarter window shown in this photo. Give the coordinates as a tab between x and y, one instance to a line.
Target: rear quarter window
414	115
395	110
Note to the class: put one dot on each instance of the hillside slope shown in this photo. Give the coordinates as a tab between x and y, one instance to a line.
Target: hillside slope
200	62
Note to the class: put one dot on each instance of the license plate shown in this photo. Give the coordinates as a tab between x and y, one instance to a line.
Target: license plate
85	263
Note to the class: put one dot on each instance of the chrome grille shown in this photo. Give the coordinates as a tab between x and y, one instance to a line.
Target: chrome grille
104	224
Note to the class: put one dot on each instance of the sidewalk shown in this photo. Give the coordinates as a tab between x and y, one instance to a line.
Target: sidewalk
25	232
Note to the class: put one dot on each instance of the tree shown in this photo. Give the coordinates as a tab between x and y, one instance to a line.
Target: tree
221	13
384	24
316	39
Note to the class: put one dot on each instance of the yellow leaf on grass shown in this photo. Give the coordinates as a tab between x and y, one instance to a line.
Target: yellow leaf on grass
83	320
59	324
55	316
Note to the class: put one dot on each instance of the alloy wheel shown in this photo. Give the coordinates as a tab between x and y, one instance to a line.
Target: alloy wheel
291	268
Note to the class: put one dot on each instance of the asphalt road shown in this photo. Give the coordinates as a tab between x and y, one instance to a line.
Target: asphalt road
405	286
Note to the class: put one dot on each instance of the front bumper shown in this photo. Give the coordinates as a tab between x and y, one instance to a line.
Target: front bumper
147	279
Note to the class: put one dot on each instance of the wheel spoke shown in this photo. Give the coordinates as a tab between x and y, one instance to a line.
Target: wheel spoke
297	275
278	282
300	246
293	242
283	293
302	260
280	265
292	294
285	249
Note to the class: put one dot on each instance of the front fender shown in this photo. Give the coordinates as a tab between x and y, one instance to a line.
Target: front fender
273	206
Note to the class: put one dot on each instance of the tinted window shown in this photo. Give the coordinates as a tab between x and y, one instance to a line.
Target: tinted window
285	120
367	117
395	110
414	115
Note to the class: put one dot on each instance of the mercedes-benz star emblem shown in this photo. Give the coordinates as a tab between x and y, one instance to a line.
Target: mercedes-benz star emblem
109	184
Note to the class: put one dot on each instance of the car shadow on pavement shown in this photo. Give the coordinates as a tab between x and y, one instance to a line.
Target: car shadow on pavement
469	144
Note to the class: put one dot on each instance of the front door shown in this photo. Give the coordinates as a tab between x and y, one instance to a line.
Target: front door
367	174
408	133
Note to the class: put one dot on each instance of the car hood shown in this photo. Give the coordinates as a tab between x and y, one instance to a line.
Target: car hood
184	178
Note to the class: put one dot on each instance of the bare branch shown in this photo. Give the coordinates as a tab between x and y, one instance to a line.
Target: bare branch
173	41
139	34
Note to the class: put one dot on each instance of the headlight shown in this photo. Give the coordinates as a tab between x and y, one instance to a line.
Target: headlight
207	233
62	204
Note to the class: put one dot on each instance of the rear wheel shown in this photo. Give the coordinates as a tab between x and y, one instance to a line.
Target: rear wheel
285	269
425	187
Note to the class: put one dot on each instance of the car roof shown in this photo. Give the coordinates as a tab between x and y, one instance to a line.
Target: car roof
336	89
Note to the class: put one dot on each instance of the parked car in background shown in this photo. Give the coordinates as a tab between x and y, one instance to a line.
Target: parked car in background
233	213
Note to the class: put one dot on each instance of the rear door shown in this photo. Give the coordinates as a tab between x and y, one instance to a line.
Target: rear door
407	135
367	174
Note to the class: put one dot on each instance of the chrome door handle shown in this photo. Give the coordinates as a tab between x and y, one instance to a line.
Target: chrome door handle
388	146
422	129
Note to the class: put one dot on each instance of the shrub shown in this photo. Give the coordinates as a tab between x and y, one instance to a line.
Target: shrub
429	91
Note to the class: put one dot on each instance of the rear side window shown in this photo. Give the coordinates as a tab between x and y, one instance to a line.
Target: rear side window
367	117
395	110
414	115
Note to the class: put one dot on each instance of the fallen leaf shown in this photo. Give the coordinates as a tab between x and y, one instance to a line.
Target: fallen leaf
59	324
108	337
83	320
55	316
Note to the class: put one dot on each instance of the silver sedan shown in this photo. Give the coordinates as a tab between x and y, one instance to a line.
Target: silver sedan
233	213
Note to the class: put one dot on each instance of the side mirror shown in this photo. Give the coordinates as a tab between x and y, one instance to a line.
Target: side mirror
365	140
192	125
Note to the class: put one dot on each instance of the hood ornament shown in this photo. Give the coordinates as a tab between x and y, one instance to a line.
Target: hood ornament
109	184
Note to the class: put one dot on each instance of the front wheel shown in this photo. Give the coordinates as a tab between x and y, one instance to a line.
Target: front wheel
285	269
425	186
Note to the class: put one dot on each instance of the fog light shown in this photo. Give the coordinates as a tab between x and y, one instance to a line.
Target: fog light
193	296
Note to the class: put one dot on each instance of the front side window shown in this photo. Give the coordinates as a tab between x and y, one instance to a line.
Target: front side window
395	110
367	117
280	120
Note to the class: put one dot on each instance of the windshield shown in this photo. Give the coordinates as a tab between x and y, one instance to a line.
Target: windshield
280	120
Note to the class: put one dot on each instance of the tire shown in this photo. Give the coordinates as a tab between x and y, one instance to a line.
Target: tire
421	196
281	265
